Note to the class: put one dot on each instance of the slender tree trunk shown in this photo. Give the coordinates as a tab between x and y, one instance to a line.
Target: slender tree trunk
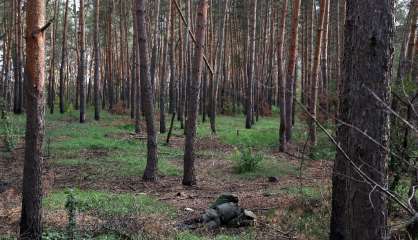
315	75
358	212
171	55
17	61
82	64
164	73
219	66
31	216
324	58
109	58
63	59
290	76
147	94
251	63
136	73
189	177
96	61
155	44
281	79
51	87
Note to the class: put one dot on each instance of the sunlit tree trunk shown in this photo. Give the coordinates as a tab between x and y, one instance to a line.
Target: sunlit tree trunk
31	215
290	75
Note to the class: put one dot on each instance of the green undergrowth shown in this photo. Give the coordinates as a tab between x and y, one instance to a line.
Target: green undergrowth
254	165
109	204
108	146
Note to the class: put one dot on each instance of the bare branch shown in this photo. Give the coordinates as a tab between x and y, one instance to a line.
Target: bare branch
42	29
391	110
356	168
192	35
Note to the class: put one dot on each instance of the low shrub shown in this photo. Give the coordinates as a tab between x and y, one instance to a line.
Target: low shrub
10	133
247	160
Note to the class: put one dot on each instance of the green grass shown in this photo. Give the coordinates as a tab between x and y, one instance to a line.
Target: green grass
6	237
268	167
109	204
231	130
106	145
308	192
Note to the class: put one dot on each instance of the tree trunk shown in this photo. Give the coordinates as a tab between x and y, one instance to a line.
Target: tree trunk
281	79
109	58
96	61
324	59
31	216
82	64
189	177
51	85
164	73
290	75
17	61
63	59
315	75
171	55
147	94
155	44
219	66
358	212
251	63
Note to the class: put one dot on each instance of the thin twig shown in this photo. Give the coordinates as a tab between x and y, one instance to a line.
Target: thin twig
391	110
362	174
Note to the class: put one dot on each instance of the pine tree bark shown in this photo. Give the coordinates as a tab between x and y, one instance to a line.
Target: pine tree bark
219	66
358	212
82	64
281	79
155	44
251	63
189	177
51	85
147	94
17	61
109	58
324	58
173	75
290	75
165	72
315	75
31	215
96	61
63	59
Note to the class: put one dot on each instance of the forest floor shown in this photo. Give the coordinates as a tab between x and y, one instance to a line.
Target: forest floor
101	163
